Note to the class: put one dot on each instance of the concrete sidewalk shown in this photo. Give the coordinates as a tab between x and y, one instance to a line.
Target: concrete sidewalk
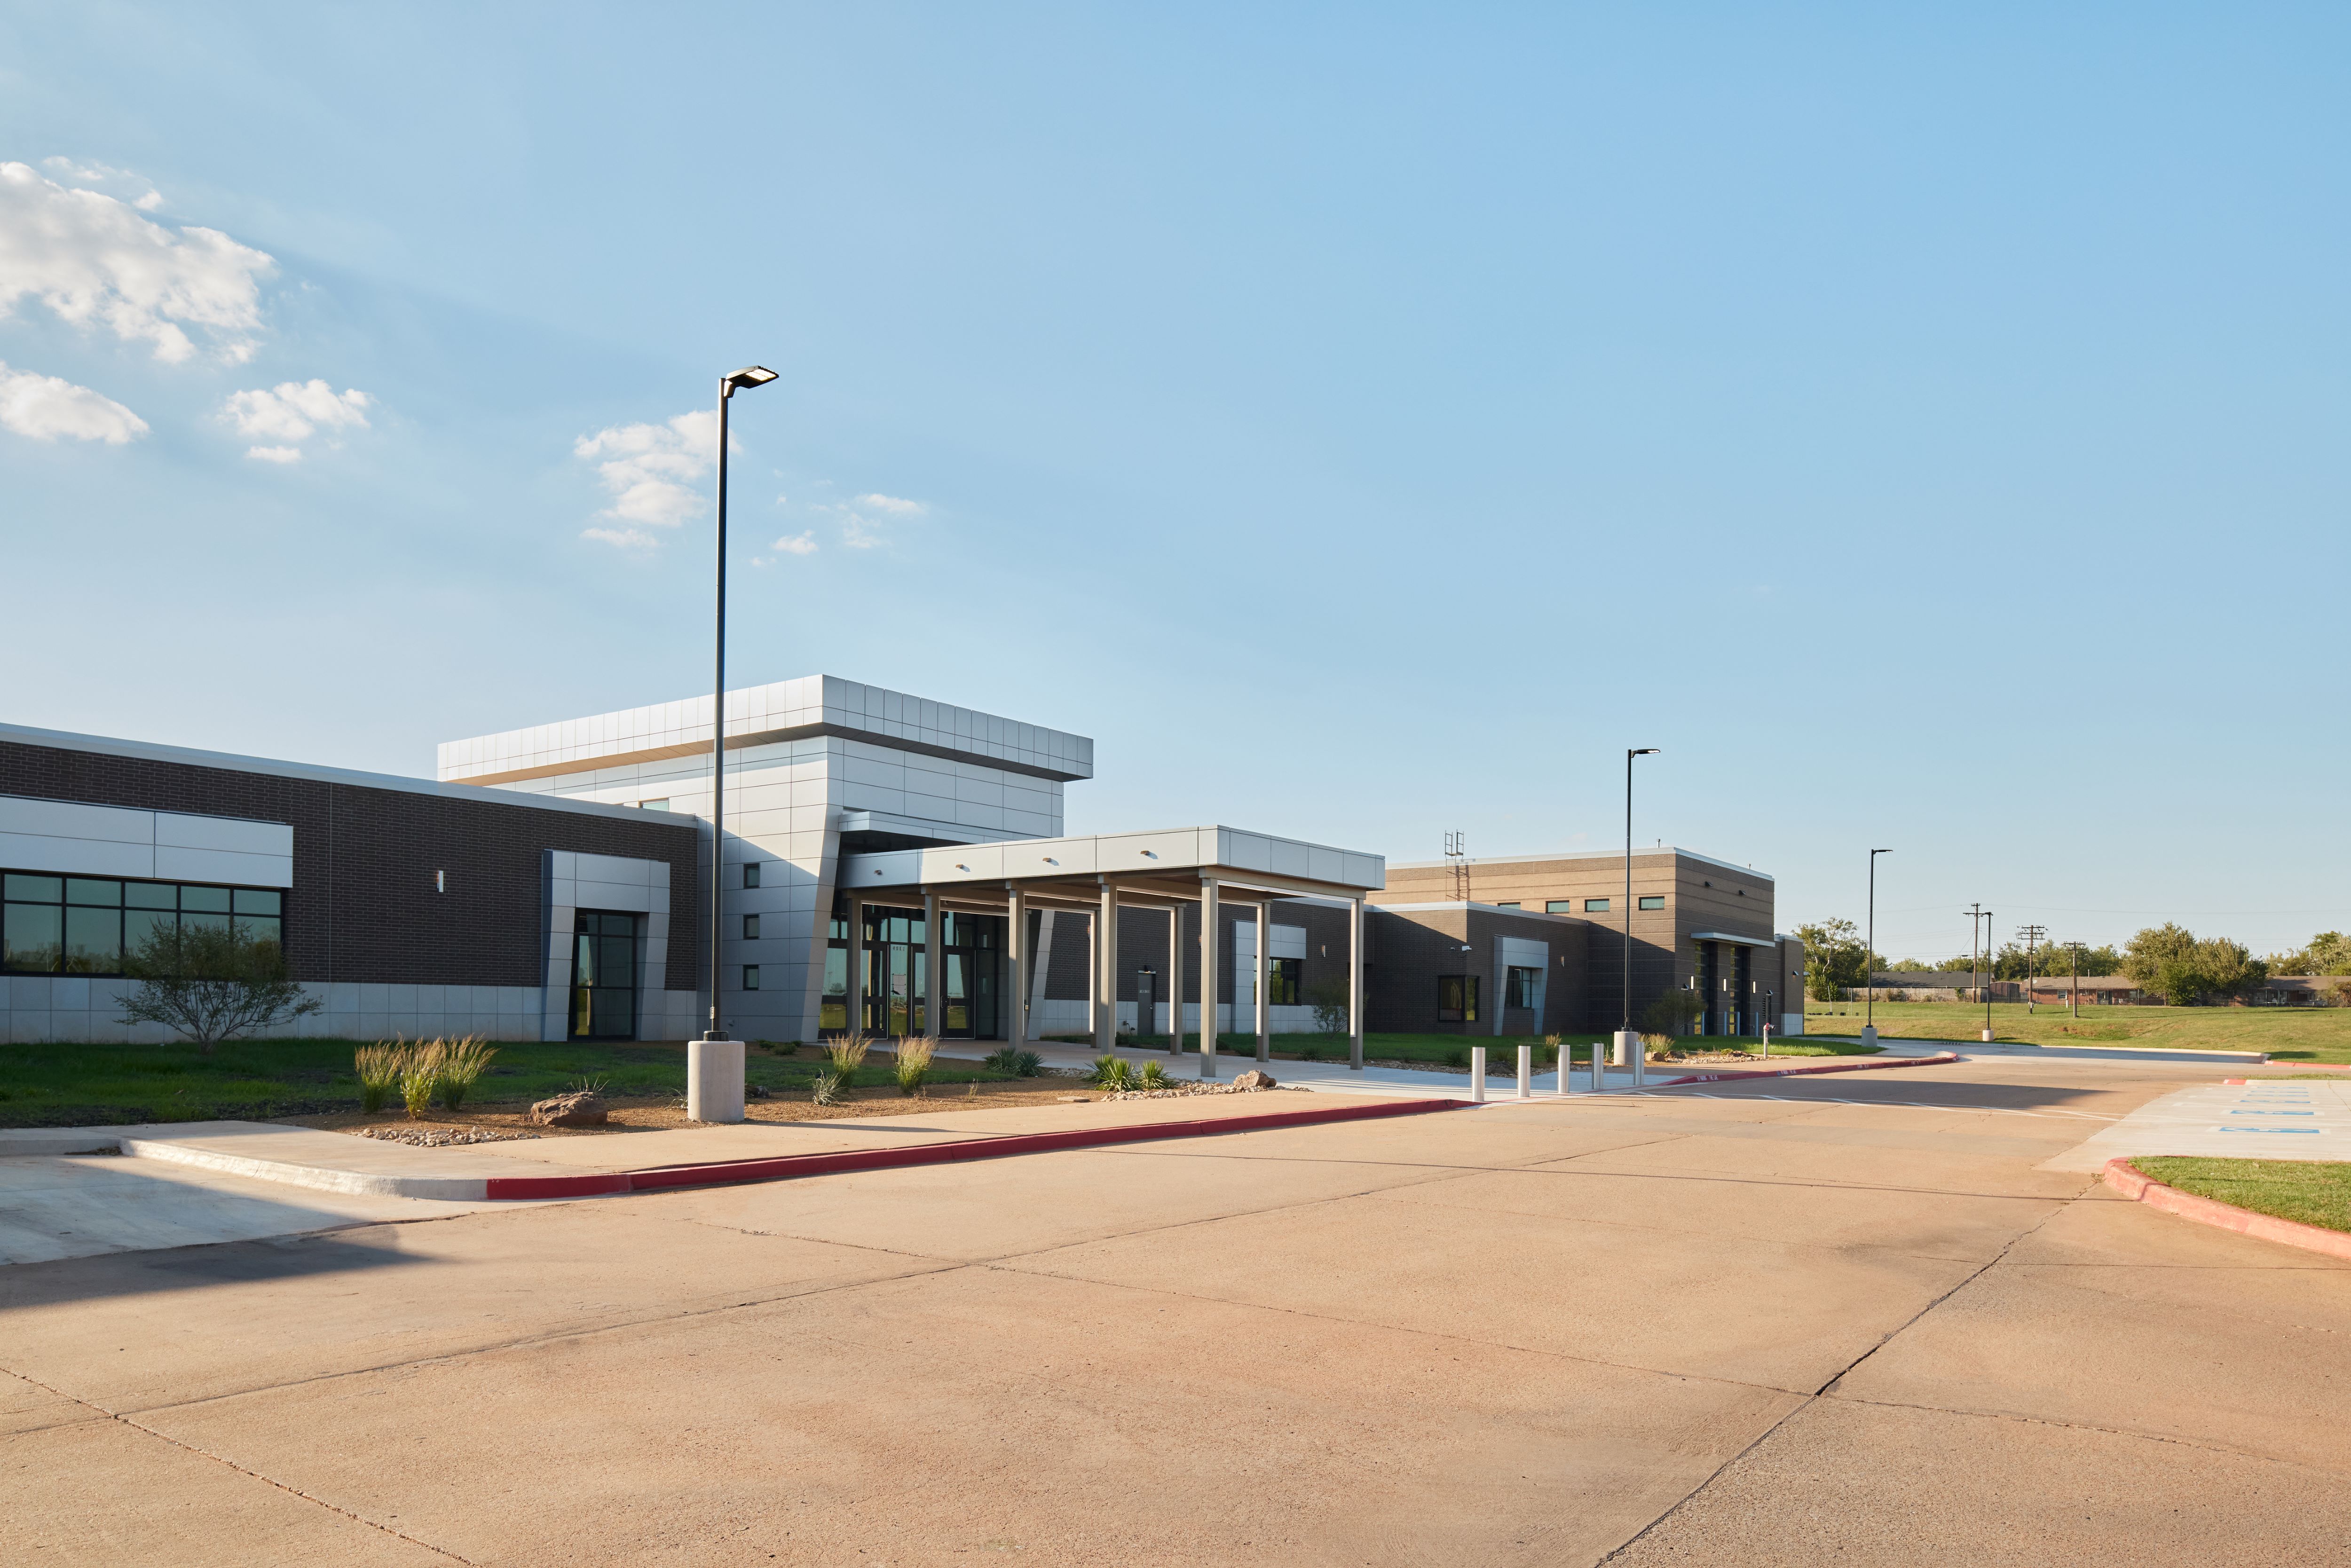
2262	1119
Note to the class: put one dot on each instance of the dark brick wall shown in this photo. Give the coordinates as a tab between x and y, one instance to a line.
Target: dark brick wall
362	907
1410	949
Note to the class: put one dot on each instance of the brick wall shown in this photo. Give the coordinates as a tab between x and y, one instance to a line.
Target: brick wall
363	908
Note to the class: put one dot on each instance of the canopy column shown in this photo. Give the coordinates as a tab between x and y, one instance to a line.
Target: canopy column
1264	973
1106	970
1016	1028
932	987
1176	981
1355	984
1207	976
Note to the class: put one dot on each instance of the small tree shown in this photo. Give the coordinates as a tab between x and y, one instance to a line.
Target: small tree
207	984
1328	1000
1671	1014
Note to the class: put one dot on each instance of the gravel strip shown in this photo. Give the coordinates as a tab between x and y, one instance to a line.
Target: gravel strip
439	1138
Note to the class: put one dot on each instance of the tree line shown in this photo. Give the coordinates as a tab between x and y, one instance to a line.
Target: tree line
2166	960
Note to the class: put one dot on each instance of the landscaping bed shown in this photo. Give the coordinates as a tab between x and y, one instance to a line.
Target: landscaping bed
2308	1191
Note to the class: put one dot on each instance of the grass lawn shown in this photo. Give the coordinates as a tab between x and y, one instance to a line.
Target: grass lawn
2288	1034
1451	1049
64	1085
2314	1192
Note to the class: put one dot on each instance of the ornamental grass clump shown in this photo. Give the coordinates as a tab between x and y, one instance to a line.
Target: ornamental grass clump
378	1069
461	1061
419	1077
826	1091
913	1062
847	1052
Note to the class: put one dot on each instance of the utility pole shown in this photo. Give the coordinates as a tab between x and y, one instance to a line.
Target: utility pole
1979	912
2031	934
2075	949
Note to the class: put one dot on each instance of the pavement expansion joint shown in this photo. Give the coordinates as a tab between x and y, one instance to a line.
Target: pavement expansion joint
226	1463
2024	1418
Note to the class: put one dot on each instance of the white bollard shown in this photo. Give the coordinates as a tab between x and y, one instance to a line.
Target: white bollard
1477	1076
1767	1042
1526	1073
714	1081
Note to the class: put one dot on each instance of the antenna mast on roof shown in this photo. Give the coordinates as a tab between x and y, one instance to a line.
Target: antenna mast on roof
1457	850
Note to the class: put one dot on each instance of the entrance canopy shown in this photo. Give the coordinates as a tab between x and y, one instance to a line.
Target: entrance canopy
1100	873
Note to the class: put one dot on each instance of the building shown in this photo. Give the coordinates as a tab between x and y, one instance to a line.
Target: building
890	862
1697	923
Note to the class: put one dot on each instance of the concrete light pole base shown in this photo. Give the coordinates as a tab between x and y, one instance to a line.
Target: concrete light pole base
1869	1034
1626	1043
1987	1037
713	1080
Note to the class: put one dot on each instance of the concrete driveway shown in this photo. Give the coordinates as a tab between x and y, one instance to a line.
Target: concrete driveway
1847	1318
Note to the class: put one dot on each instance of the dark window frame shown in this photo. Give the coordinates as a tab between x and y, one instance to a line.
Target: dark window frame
1457	998
1652	901
751	873
1597	906
1285	982
95	906
1518	983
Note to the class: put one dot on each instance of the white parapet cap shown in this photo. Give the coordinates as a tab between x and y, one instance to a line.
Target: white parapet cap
1653	853
783	711
1167	865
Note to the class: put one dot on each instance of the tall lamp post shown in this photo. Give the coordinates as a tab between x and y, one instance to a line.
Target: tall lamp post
713	1068
1983	963
1627	1044
1869	957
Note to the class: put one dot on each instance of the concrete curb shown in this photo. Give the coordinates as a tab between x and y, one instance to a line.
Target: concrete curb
1941	1058
723	1172
2133	1183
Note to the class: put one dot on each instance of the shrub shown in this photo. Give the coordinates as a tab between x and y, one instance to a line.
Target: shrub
419	1077
1019	1063
1656	1045
1671	1014
1153	1076
847	1052
1328	1000
913	1062
1030	1064
827	1089
461	1061
379	1069
1547	1053
1310	1051
1113	1073
207	984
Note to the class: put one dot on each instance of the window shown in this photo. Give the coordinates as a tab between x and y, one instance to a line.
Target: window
750	874
1457	998
1284	981
1513	905
1596	906
1654	901
750	976
1518	987
750	928
1560	906
84	925
660	805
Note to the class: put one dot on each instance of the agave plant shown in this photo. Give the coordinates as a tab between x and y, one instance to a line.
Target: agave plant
1153	1076
1114	1073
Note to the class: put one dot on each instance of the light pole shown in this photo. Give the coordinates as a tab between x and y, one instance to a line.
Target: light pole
1869	957
1625	1042
1983	960
714	1077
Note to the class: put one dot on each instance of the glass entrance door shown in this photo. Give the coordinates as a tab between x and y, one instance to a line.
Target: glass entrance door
604	975
897	974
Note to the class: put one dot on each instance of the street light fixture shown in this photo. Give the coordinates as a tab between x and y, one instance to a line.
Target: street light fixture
1869	957
707	1075
1624	1041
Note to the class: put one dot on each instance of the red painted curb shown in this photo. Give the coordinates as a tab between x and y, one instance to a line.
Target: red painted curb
722	1171
1939	1058
2133	1183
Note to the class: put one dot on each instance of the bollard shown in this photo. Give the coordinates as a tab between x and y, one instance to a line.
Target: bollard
1526	1073
1477	1076
1767	1042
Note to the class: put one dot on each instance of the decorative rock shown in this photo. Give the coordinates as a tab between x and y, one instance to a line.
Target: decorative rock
577	1110
1254	1079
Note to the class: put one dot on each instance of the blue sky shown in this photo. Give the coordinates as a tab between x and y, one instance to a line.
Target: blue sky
1926	423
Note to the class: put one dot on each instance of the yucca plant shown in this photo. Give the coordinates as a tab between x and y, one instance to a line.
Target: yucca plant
913	1062
461	1061
1113	1073
827	1089
378	1069
1005	1059
419	1077
847	1052
1153	1076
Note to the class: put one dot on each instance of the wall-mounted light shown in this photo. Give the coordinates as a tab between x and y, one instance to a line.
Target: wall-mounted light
440	882
1151	855
960	866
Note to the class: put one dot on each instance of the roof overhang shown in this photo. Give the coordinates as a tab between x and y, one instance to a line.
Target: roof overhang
1732	936
1174	865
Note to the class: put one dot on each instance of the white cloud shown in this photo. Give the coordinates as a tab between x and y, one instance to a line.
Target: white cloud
291	412
797	544
653	473
91	257
862	518
892	505
105	177
45	407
